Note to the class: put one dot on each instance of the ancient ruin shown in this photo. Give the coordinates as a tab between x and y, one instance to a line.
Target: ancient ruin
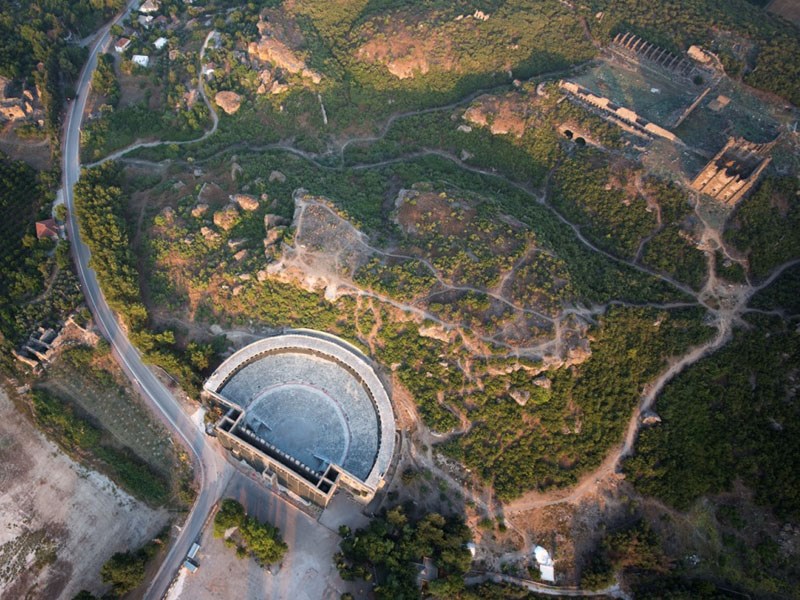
623	117
632	48
308	412
733	172
18	103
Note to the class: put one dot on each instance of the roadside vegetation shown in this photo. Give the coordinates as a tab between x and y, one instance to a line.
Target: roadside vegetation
100	203
126	571
38	285
85	408
79	437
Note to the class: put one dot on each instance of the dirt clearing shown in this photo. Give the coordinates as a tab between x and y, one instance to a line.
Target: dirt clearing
59	522
307	571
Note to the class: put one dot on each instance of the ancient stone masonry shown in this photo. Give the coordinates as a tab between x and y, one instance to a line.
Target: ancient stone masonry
307	411
633	48
733	172
18	104
624	117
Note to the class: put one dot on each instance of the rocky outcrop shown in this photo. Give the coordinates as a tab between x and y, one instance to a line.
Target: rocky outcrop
245	201
649	418
273	236
521	397
270	49
228	101
227	217
209	234
199	210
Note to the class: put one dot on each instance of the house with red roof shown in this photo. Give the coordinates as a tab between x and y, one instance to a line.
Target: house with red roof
47	229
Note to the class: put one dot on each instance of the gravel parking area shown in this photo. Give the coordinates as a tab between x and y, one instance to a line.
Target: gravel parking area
307	572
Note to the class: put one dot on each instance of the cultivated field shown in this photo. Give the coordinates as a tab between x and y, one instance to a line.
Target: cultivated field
59	522
115	409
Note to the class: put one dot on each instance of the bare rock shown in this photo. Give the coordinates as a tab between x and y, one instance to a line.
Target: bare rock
245	201
543	382
265	76
521	397
262	276
199	210
168	213
278	88
209	234
227	217
233	244
277	176
273	236
240	255
211	193
271	49
238	290
228	101
436	332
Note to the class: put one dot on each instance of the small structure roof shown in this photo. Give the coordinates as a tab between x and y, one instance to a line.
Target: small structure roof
547	573
122	44
427	571
47	229
141	59
160	43
546	564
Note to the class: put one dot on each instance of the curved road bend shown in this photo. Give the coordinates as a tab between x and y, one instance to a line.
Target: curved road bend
211	468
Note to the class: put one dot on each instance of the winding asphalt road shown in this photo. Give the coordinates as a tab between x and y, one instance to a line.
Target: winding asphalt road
212	470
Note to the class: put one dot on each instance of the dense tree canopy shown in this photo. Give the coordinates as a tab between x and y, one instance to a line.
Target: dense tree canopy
390	549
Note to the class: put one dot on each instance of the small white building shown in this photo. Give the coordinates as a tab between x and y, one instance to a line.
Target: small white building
141	59
145	20
160	43
546	565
